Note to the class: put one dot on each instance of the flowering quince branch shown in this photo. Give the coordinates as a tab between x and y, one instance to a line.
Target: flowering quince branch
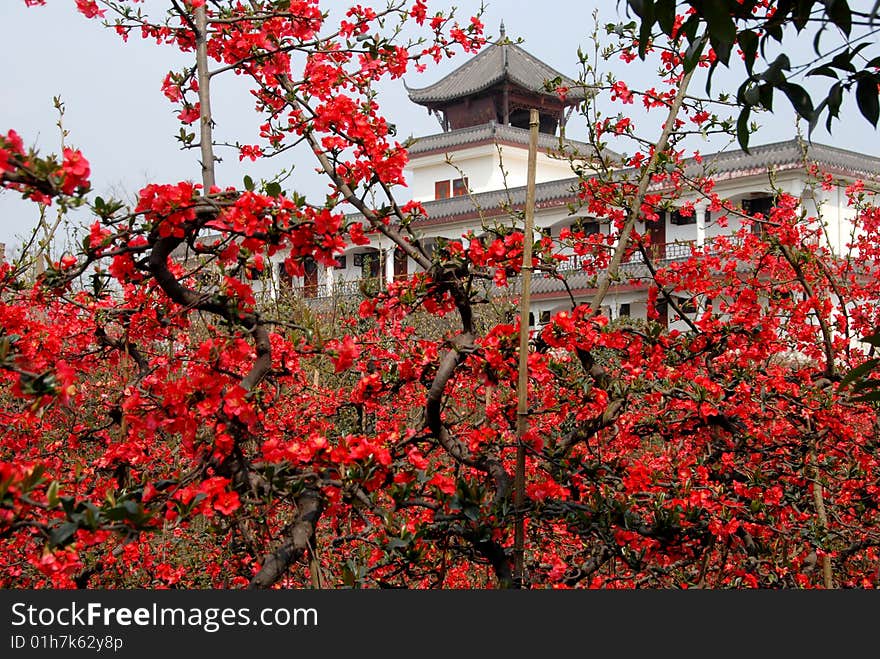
161	418
644	180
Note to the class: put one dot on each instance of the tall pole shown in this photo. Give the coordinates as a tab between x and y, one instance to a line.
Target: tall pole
522	422
206	138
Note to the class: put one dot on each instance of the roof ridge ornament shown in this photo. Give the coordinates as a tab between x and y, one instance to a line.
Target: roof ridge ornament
503	41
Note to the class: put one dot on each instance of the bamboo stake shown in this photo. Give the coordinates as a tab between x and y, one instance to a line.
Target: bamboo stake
519	577
822	514
206	121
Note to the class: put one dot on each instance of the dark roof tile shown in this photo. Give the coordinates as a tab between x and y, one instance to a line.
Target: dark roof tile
722	165
493	132
790	154
494	64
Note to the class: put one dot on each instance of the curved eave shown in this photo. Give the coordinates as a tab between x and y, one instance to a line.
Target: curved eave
463	138
493	66
425	96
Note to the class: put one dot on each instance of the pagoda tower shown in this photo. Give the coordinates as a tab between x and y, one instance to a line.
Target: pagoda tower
501	84
483	108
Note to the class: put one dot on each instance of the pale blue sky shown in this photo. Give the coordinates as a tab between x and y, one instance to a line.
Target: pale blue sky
117	115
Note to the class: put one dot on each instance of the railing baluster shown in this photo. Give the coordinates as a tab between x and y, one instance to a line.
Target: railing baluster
667	253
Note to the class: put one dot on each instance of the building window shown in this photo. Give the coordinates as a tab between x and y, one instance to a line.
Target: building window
624	311
759	205
441	190
340	262
688	306
676	217
459	187
400	264
545	317
370	266
429	246
283	275
585	225
310	277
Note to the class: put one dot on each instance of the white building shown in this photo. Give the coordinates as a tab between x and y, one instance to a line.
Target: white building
473	173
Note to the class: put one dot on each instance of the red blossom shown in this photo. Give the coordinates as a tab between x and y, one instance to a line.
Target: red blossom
76	171
249	151
189	114
346	352
193	428
89	8
620	91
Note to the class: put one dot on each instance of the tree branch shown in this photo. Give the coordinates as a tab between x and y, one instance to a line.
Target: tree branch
296	538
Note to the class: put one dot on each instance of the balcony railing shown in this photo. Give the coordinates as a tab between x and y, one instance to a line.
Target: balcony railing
346	288
663	254
353	288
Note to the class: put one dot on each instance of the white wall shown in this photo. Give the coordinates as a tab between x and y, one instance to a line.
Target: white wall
482	166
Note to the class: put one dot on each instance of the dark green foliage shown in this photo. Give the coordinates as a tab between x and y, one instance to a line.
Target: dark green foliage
731	24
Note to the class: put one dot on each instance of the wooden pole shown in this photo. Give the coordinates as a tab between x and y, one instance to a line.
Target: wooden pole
206	137
522	423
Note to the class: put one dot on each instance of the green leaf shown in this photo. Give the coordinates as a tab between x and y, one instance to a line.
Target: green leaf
397	543
722	29
472	513
814	120
692	57
843	61
801	15
824	70
689	28
248	183
871	384
62	534
858	372
664	10
116	513
645	29
774	73
273	189
799	99
765	92
638	6
818	38
839	13
835	98
873	397
775	31
742	129
34	478
712	67
67	504
52	494
748	42
91	516
866	97
873	340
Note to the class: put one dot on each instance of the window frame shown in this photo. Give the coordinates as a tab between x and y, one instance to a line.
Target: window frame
442	190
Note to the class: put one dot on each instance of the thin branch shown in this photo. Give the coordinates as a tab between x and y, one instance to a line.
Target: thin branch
613	271
206	121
